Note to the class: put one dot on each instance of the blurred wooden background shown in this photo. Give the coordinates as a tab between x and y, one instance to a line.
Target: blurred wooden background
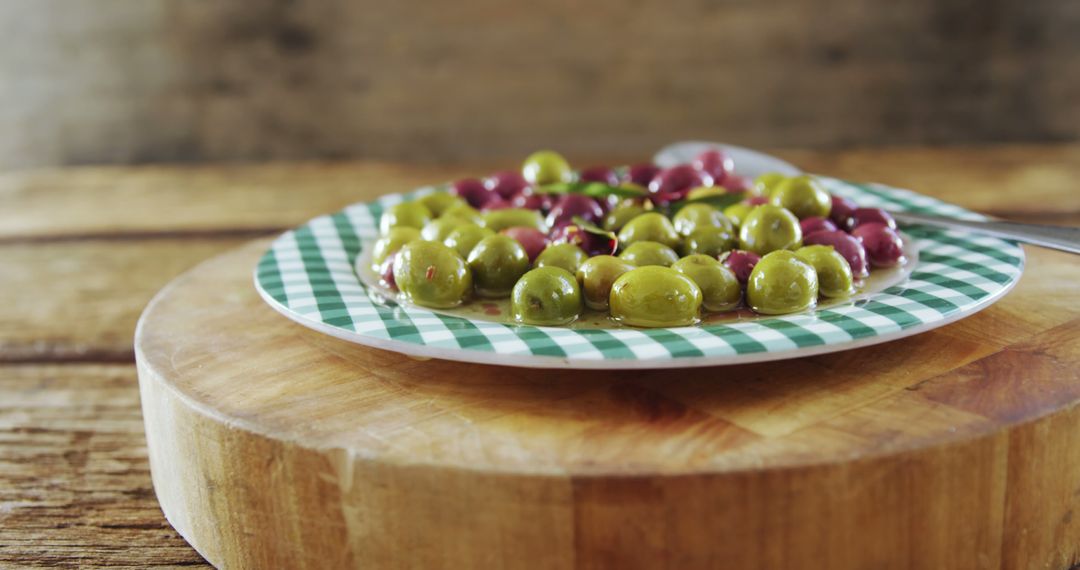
125	81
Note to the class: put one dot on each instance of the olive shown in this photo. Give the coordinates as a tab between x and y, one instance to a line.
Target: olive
737	212
782	283
714	162
621	214
655	297
842	208
506	184
496	203
591	242
674	183
530	200
464	238
546	167
816	224
574	205
884	248
802	196
472	191
766	183
408	214
439	202
601	174
499	220
833	271
596	276
432	275
709	241
390	243
497	262
693	216
533	240
642	174
644	253
735	183
741	263
650	226
439	228
565	255
705	192
769	228
464	212
861	216
547	296
850	248
720	290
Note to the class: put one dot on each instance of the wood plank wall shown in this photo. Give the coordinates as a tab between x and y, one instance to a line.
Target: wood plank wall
115	81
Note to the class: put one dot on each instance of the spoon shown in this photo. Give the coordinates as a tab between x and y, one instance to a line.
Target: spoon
752	163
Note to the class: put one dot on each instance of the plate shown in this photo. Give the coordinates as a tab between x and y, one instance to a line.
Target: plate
307	275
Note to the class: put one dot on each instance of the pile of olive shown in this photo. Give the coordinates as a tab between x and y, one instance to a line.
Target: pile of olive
657	254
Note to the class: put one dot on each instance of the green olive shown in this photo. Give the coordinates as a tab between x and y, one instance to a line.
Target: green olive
720	288
737	212
390	243
705	192
465	212
565	255
802	196
693	216
408	214
650	226
766	183
498	220
644	253
439	228
439	202
655	297
597	275
547	296
769	228
546	167
834	274
782	283
465	237
710	241
497	262
617	217
432	275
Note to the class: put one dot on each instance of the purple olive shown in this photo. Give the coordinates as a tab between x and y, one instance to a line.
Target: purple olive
590	243
862	216
496	203
472	191
816	224
532	200
506	184
757	200
642	174
675	183
740	262
841	210
601	174
533	240
386	271
850	248
735	183
883	245
571	205
715	163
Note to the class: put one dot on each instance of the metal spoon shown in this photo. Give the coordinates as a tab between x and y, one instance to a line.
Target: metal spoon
755	163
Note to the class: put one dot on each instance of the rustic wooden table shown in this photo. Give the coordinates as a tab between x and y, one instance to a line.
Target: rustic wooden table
82	250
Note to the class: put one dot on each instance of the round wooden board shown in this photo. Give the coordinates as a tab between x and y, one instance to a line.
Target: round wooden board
272	446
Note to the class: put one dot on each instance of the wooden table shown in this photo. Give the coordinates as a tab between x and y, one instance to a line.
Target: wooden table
82	251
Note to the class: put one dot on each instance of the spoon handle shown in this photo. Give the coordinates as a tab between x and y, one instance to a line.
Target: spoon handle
1056	237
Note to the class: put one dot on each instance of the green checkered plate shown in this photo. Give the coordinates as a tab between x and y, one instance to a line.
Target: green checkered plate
307	275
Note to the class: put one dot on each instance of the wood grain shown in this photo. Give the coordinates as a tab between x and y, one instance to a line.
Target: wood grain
80	300
914	454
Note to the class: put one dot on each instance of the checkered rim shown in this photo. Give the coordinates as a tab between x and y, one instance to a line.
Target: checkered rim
307	275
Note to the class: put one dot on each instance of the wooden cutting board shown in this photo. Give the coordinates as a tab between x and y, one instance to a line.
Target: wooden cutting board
273	446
